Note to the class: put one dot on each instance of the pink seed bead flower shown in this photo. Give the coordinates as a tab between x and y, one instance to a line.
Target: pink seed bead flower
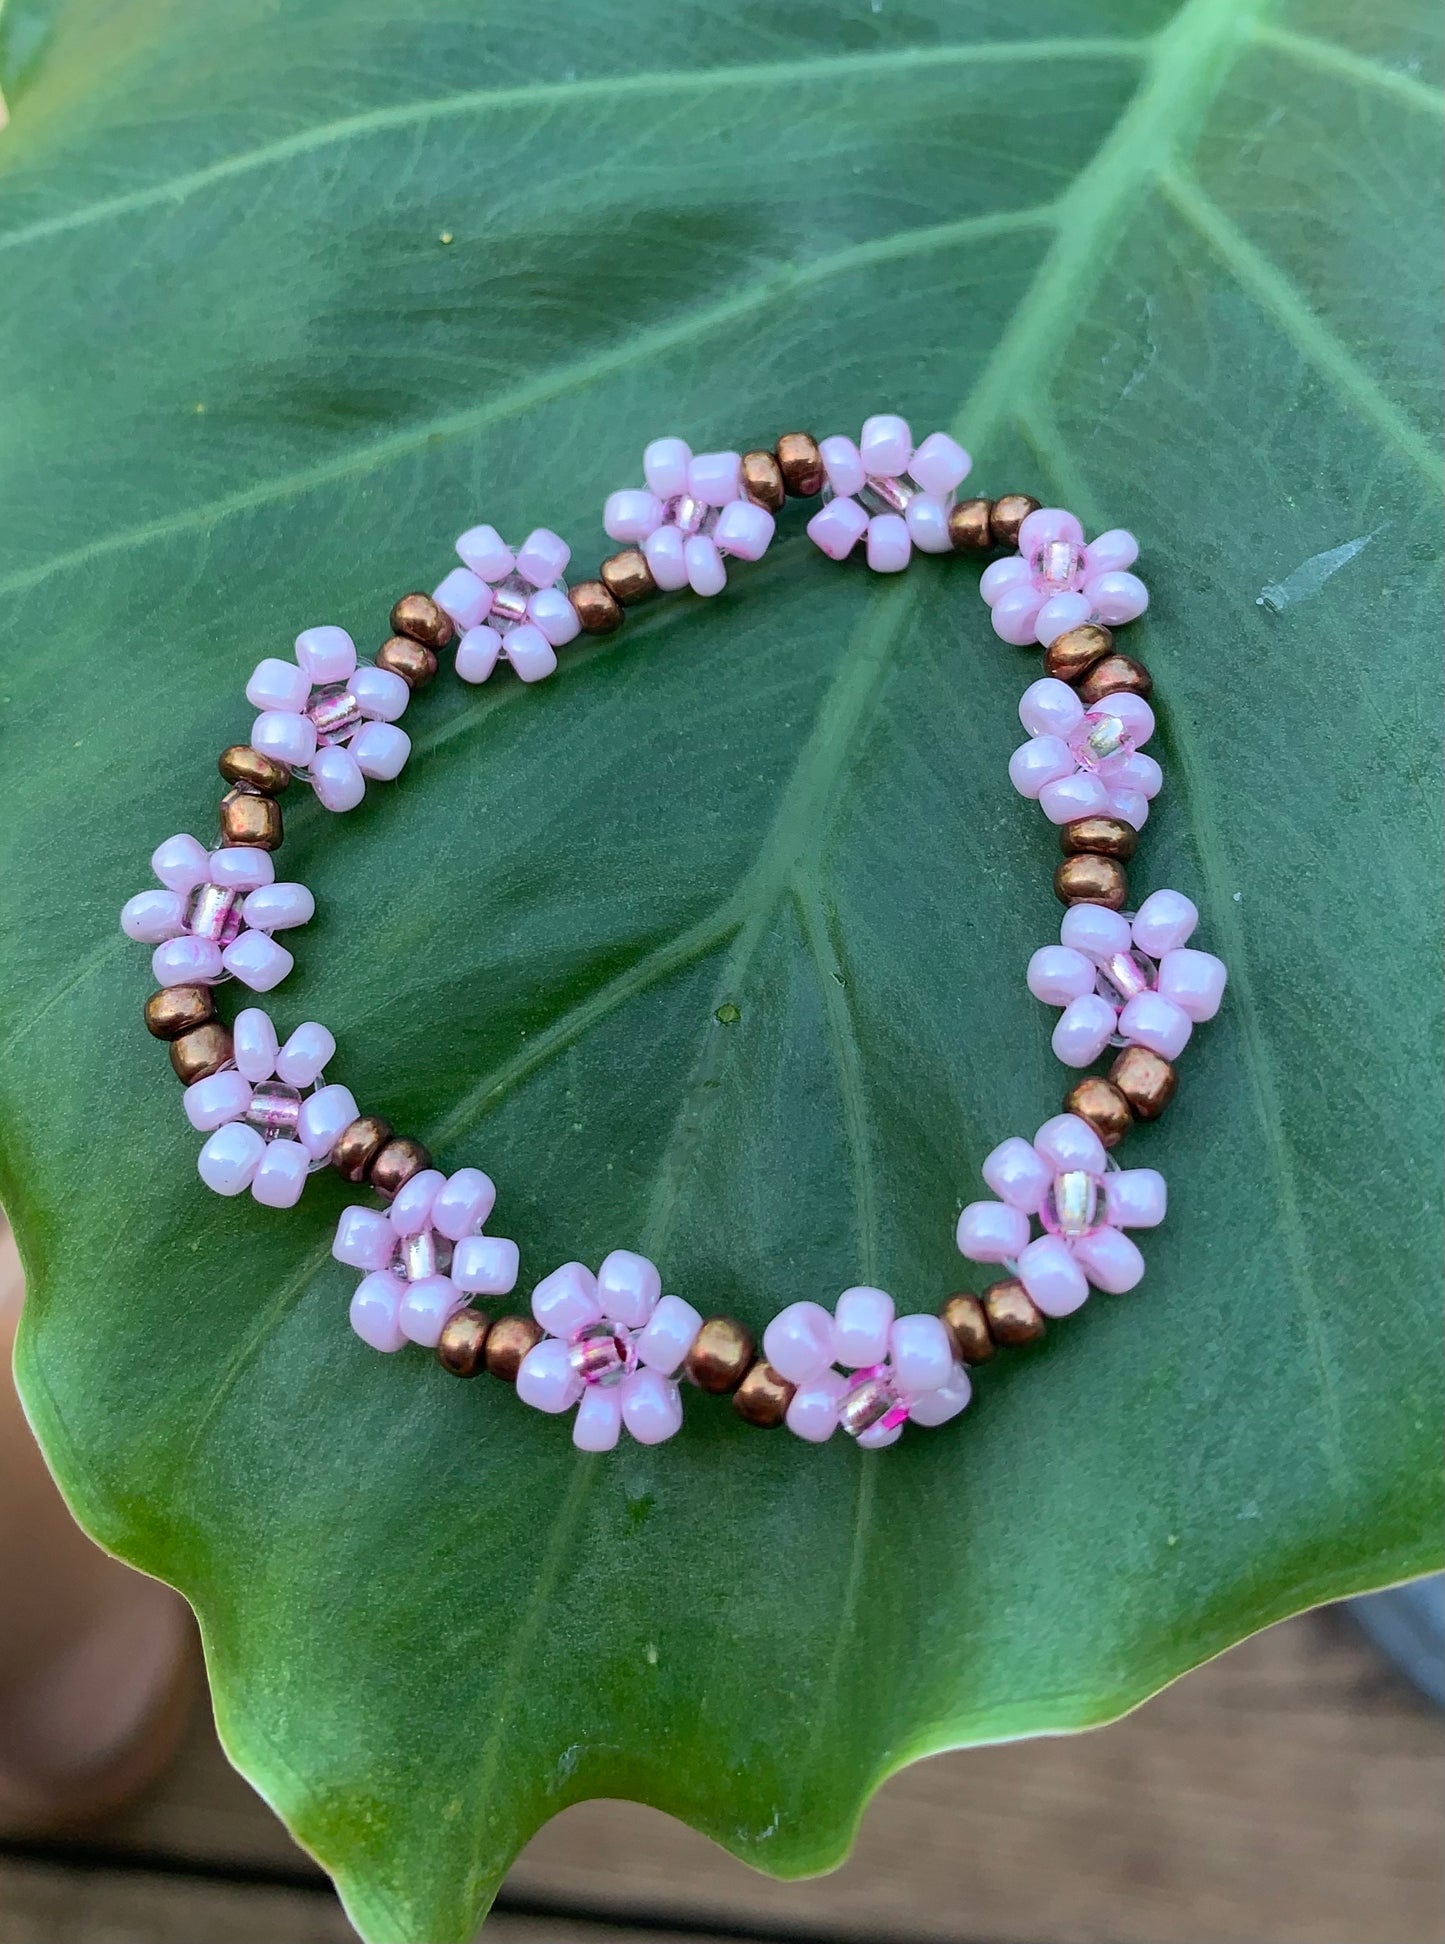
894	1369
690	515
1082	762
424	1257
895	492
613	1347
1061	1179
1054	582
1127	982
332	719
267	1116
214	915
509	604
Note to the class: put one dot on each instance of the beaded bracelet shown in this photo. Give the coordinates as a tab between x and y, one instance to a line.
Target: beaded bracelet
611	1343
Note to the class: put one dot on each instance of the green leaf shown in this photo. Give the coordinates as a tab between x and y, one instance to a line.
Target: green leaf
713	946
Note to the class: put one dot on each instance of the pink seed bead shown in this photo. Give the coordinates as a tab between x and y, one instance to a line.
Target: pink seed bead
181	863
281	1176
990	1231
1165	921
1056	975
862	1318
938	1406
843	463
551	612
567	1300
1058	614
151	917
671	1331
1052	1278
546	1379
222	1096
1110	1261
1050	708
1118	598
665	466
374	1309
289	738
1192	981
229	1160
1017	1175
323	1119
598	1423
337	779
379	750
364	1239
663	552
628	1286
878	1436
543	557
1048	523
466	597
1095	931
187	961
651	1407
425	1307
486	553
325	654
477	653
1070	1144
838	527
410	1211
1000	575
812	1412
1151	1020
277	684
1132	711
1111	552
920	1350
888	543
1130	807
255	1044
1072	797
744	530
1014	613
1039	762
715	478
304	1056
485	1265
940	465
886	445
1135	1198
1083	1030
705	571
380	695
799	1341
257	961
532	656
463	1203
242	867
279	907
927	521
631	514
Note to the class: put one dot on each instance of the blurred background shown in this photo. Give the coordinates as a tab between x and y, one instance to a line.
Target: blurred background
1289	1793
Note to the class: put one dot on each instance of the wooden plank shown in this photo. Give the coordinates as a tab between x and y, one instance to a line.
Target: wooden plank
1289	1793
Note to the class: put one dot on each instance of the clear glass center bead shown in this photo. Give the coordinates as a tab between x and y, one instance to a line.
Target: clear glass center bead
1124	975
334	713
509	603
690	515
427	1254
1057	567
215	913
274	1110
873	1399
1098	737
1071	1207
602	1353
884	495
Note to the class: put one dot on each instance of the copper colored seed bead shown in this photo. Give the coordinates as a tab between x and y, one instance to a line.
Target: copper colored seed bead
418	616
627	576
247	817
1073	653
1007	515
1105	836
763	1397
970	525
395	1165
1115	675
1091	879
202	1051
177	1009
1099	1102
358	1145
721	1355
1013	1316
1146	1081
595	608
801	464
763	480
508	1341
963	1317
242	764
412	660
462	1343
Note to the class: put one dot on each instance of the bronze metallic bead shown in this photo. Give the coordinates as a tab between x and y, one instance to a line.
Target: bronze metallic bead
1146	1081
242	764
964	1319
508	1341
178	1009
412	660
1091	879
763	1397
202	1051
418	616
1072	654
1099	1102
596	609
1115	675
1013	1316
801	464
1106	836
763	480
358	1145
1007	515
970	525
462	1344
247	817
721	1355
395	1165
627	576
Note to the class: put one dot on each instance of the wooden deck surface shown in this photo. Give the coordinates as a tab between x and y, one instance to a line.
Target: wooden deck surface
1290	1793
